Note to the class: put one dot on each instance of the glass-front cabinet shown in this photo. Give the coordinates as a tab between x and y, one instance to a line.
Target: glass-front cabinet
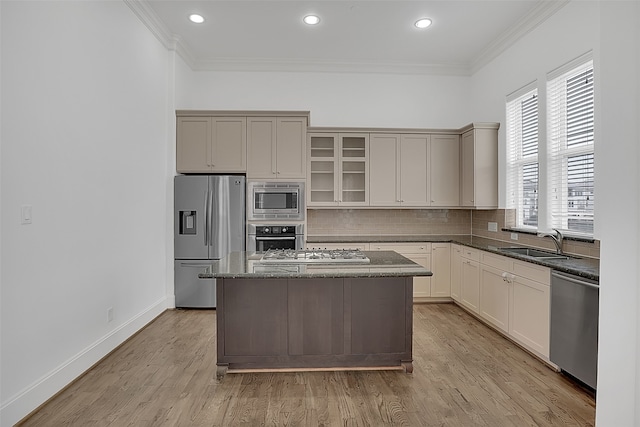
338	169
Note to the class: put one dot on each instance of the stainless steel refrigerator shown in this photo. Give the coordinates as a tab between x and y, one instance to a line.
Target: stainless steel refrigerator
209	213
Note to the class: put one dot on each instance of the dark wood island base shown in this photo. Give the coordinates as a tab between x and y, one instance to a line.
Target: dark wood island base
331	323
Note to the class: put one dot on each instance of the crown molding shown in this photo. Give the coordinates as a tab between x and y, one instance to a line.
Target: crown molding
172	42
539	14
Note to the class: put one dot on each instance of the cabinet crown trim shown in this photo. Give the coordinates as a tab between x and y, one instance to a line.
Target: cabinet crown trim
242	113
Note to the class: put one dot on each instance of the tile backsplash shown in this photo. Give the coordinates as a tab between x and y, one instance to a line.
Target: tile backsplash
392	222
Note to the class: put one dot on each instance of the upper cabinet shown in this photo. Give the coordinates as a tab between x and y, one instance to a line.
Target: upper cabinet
444	167
338	169
211	144
399	170
479	164
276	147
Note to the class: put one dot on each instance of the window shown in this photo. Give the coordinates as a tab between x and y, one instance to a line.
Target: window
570	147
522	155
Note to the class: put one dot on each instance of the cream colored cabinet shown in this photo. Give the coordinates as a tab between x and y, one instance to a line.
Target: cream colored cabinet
470	280
420	253
479	167
399	170
515	299
529	319
444	170
494	297
456	271
384	165
441	268
338	169
276	148
414	170
211	144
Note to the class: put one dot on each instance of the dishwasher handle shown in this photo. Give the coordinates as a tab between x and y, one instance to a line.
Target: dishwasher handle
573	279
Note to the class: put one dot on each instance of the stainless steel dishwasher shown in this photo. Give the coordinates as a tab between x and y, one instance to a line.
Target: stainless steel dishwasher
574	326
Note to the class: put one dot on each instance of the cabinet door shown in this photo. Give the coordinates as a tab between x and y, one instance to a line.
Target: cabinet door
421	284
494	297
291	148
383	170
441	268
467	196
193	144
264	333
444	168
529	321
322	180
413	170
456	271
229	144
261	146
470	285
316	324
354	169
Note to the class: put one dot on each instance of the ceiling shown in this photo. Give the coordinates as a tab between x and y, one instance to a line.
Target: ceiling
352	36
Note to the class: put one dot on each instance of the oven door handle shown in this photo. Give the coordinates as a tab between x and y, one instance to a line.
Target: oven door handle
275	238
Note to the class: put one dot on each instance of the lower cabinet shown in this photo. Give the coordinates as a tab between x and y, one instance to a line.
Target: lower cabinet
420	253
441	267
530	312
515	299
470	285
494	297
456	271
470	279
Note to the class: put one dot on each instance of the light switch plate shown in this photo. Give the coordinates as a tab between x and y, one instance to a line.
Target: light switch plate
493	226
25	214
514	236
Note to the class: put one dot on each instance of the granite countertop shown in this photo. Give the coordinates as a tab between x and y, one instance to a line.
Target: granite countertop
584	267
247	265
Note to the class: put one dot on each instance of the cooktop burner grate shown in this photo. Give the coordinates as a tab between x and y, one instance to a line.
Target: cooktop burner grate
327	256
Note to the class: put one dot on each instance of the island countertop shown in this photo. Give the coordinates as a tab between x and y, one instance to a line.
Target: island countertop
247	265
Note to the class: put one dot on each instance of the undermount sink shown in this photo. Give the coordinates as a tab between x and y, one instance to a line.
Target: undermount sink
533	253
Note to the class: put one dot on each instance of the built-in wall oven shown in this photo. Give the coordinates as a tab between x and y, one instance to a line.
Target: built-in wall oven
262	237
275	201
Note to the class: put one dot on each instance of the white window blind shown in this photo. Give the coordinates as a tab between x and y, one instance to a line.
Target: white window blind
522	155
571	147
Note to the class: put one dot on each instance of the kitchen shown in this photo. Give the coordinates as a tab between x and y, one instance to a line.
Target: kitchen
44	326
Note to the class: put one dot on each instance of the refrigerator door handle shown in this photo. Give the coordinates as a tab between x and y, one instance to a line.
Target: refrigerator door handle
210	219
206	218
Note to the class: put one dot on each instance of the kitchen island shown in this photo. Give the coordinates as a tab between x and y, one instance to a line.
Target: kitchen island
314	316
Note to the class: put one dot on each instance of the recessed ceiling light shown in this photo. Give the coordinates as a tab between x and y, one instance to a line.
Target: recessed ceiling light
423	22
311	19
196	19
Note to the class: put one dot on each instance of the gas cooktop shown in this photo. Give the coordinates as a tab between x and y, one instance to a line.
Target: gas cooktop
312	256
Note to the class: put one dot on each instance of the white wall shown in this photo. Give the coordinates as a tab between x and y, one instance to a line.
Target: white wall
84	141
334	99
610	29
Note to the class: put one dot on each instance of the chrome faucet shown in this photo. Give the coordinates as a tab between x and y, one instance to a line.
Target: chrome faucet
557	240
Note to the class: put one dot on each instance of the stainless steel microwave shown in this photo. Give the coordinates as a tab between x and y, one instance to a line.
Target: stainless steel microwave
275	200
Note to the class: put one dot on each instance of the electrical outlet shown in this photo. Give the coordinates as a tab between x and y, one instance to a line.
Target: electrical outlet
514	236
493	226
109	314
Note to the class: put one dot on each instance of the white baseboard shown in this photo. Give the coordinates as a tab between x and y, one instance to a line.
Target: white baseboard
26	401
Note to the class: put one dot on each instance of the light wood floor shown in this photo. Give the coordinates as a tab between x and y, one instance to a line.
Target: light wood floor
465	374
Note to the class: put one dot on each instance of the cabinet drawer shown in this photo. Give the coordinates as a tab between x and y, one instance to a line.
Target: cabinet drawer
470	253
497	261
531	271
402	248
